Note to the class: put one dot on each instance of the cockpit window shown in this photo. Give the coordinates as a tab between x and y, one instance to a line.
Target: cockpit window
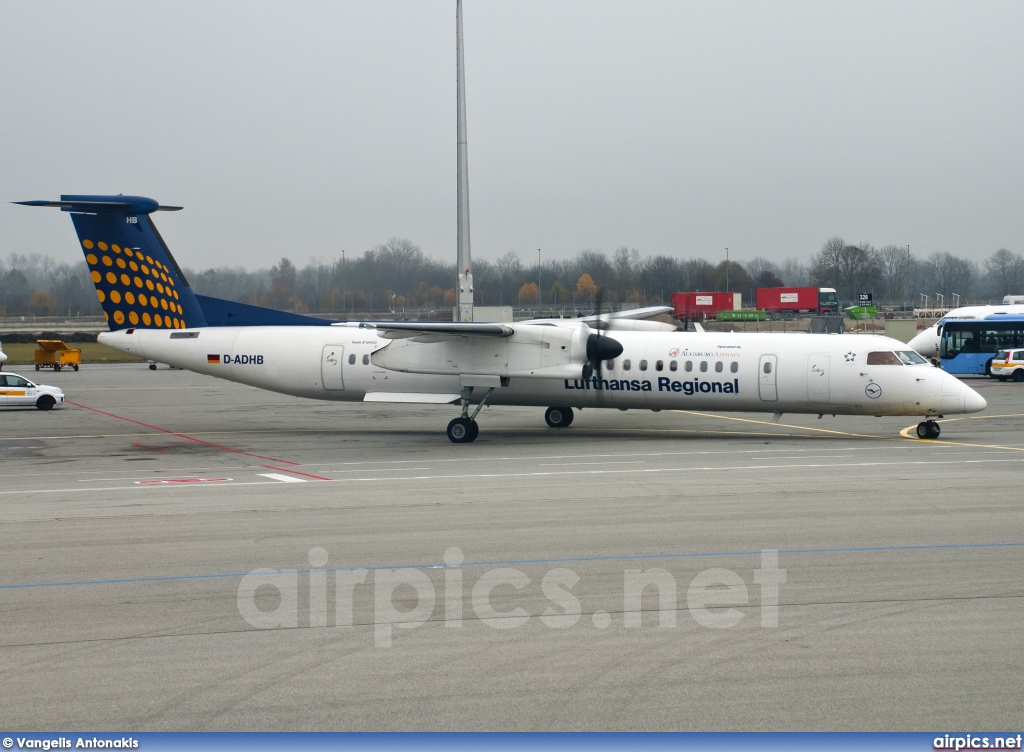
911	358
883	359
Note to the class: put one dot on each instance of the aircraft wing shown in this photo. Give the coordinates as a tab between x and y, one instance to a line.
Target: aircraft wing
435	331
636	314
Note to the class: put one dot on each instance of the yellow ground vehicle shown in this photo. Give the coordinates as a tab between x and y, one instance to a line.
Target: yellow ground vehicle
55	354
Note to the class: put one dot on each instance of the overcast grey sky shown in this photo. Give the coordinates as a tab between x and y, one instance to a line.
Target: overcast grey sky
298	129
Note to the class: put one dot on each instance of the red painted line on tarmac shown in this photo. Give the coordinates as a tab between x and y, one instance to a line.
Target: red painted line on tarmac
295	472
147	446
181	435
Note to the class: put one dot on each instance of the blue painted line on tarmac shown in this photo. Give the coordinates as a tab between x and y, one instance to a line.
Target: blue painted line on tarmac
511	562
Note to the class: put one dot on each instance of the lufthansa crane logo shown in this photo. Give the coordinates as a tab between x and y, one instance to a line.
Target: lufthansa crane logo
873	391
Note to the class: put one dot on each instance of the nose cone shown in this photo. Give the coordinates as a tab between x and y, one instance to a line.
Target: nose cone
973	402
925	342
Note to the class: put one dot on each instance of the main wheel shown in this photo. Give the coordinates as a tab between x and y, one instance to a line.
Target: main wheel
46	402
462	431
152	366
559	417
1018	375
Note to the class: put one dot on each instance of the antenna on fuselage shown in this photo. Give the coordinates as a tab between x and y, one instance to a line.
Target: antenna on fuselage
464	282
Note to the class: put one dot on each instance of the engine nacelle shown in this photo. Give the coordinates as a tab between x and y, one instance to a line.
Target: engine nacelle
532	351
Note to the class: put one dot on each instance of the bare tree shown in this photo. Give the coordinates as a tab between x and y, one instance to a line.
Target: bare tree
947	274
896	266
1005	272
794	273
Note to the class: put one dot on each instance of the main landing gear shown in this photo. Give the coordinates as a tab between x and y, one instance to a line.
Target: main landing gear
559	417
464	429
928	429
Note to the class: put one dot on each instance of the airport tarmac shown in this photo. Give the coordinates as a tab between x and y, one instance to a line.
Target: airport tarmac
133	519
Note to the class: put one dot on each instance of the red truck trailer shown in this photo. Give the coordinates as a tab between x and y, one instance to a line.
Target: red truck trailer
786	302
701	305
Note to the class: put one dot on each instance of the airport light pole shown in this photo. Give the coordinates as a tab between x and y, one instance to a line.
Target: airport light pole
727	270
538	277
343	303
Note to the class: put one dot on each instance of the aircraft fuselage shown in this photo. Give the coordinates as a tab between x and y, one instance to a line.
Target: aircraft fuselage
786	373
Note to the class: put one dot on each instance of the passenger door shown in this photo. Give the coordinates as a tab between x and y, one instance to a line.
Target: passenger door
331	367
766	378
817	378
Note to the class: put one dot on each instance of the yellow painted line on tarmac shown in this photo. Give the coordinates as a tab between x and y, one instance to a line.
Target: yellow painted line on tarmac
906	433
790	425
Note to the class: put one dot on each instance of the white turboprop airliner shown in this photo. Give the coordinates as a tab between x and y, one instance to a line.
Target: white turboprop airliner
623	360
926	342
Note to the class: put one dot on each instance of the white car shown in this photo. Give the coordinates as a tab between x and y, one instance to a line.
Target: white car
17	390
1008	364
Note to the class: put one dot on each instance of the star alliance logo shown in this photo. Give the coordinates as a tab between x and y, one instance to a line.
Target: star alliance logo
850	357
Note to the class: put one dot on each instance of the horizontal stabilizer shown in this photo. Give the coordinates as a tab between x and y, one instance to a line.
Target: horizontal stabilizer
131	205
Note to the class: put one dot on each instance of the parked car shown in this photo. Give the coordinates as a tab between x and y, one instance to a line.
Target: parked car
1008	364
17	390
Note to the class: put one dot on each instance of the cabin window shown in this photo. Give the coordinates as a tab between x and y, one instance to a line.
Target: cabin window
610	365
366	360
626	365
882	358
719	365
689	366
767	366
703	366
673	366
734	367
643	365
351	360
659	366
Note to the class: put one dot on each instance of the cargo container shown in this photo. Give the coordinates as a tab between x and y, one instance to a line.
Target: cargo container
704	305
786	302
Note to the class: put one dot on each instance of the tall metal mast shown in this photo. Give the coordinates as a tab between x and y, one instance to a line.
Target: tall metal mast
464	283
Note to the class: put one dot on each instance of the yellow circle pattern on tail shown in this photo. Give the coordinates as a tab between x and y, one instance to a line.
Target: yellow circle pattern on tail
112	289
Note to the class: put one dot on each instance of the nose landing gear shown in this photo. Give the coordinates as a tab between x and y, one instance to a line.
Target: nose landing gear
928	429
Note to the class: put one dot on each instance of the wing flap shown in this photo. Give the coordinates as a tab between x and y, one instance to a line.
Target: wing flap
422	398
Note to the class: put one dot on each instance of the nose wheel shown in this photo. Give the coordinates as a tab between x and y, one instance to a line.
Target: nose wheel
928	429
